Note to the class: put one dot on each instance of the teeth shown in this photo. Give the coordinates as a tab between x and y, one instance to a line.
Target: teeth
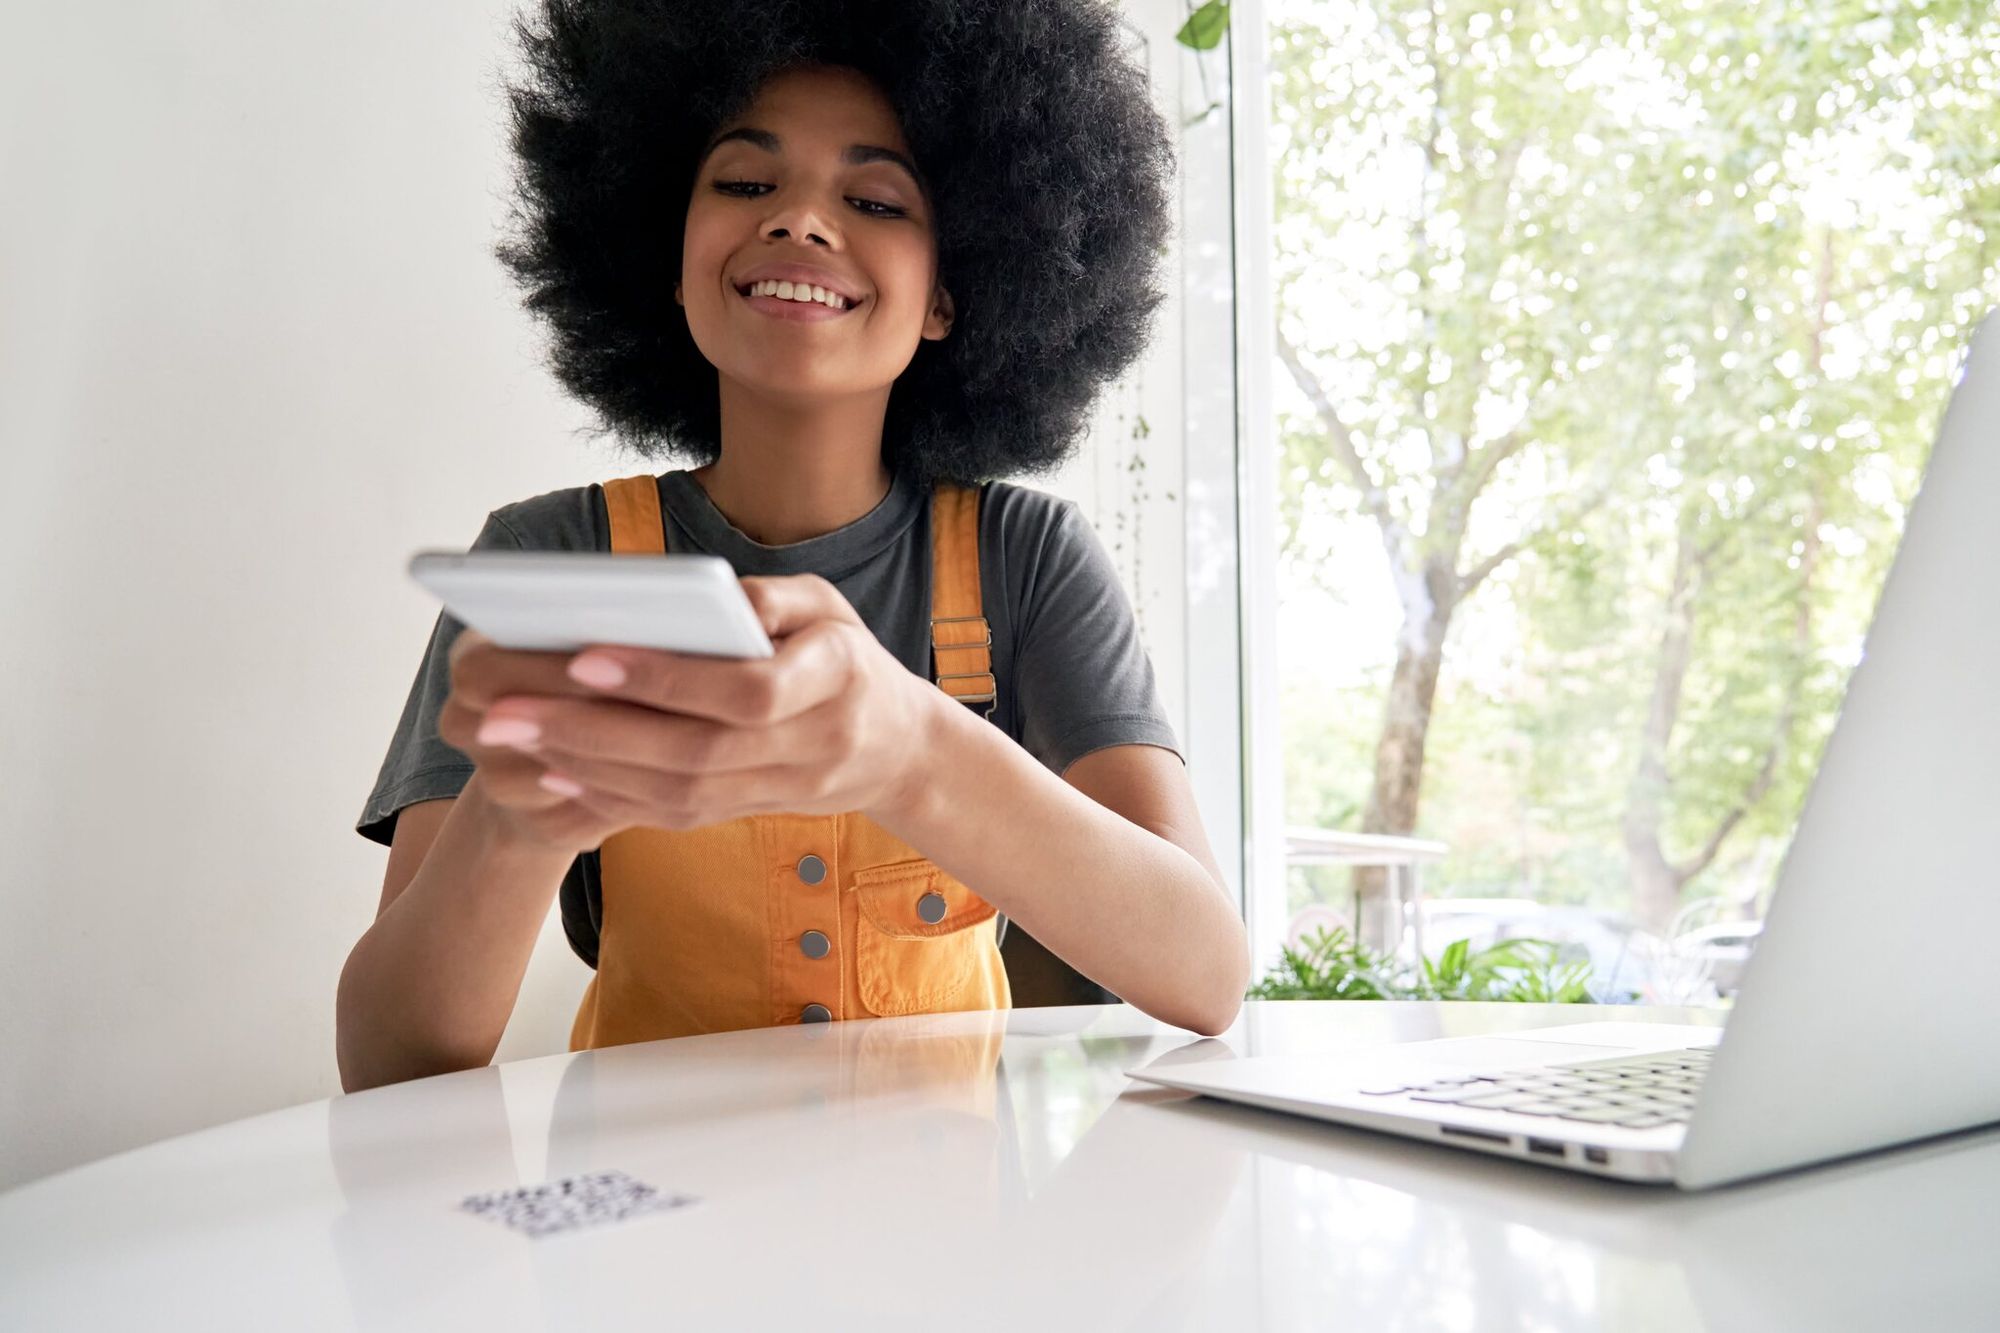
798	291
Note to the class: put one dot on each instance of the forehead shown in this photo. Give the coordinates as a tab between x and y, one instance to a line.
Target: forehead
823	103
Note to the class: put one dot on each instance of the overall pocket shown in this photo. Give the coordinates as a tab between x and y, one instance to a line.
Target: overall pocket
918	942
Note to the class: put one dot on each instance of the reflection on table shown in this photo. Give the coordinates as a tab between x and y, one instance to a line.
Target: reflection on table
971	1171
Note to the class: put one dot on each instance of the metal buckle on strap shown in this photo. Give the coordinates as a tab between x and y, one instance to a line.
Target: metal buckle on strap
992	687
990	697
960	620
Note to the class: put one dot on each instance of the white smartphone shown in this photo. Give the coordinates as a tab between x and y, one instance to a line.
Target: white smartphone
562	601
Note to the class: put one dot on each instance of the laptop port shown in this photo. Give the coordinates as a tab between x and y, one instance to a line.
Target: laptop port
1600	1156
1484	1135
1546	1147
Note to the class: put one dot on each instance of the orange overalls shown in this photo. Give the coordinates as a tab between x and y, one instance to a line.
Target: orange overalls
774	919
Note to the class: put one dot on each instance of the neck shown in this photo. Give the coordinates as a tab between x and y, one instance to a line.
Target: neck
790	471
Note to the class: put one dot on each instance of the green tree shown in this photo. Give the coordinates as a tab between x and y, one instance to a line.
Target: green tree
1575	303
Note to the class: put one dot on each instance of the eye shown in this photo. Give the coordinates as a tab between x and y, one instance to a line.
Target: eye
757	189
869	206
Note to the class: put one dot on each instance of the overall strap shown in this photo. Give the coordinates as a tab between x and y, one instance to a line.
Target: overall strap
633	504
961	641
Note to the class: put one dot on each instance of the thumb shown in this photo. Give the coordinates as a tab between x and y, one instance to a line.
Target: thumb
786	604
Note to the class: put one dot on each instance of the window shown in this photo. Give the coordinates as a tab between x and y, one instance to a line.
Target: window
1606	346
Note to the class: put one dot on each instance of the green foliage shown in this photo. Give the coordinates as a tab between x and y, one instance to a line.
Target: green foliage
1332	966
1626	286
1205	27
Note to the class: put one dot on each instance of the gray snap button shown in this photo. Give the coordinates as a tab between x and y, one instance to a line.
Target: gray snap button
813	944
812	870
931	907
815	1013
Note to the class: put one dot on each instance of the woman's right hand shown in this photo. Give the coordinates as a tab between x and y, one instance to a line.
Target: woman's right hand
508	778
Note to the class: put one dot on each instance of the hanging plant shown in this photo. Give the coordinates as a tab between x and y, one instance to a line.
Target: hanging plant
1205	27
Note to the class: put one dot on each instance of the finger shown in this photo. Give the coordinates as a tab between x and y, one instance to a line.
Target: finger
785	604
686	800
464	729
516	781
467	641
569	731
809	667
482	671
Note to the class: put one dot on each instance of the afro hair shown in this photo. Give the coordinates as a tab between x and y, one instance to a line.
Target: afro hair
1047	167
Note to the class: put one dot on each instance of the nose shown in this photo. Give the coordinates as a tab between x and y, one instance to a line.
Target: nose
799	220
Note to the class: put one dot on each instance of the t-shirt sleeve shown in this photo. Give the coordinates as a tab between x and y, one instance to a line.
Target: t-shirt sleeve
419	765
1082	676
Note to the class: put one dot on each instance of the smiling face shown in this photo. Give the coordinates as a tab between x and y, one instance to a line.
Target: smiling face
811	185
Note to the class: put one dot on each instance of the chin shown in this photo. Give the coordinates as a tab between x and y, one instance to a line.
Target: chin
802	382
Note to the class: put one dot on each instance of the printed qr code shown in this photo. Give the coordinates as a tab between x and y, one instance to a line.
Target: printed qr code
575	1201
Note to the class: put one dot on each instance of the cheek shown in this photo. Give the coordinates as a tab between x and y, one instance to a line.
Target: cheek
906	271
703	252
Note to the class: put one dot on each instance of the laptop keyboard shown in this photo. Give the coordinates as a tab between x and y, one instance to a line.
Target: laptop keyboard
1631	1091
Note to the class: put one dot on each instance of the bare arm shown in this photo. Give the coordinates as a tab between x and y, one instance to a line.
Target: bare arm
429	987
1108	866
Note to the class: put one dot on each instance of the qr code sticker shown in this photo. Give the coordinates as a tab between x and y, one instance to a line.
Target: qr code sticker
563	1205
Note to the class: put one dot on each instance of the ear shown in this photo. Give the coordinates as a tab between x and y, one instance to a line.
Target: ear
938	323
678	298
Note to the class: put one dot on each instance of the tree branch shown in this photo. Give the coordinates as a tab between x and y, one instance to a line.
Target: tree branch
1781	731
1560	518
1701	860
1487	460
1475	576
1374	499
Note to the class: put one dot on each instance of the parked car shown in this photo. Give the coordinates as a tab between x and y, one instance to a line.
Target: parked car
1697	965
1727	946
1582	934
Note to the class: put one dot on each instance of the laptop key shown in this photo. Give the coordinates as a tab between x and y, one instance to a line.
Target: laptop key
1452	1096
1448	1085
1502	1101
1597	1115
1648	1121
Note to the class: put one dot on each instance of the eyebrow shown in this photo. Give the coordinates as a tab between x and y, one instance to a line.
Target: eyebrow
859	155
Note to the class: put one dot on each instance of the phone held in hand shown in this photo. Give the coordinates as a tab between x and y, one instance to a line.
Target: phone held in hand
563	601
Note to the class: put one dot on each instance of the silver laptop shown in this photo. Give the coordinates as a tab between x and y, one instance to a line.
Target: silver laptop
1870	1014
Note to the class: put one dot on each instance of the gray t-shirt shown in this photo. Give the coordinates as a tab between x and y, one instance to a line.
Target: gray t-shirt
1072	674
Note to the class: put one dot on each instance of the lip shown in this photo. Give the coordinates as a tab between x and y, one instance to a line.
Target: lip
806	273
777	307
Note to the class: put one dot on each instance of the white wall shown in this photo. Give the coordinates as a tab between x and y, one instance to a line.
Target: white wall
254	350
1158	479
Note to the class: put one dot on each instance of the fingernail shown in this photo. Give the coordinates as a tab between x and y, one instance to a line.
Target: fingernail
508	731
561	785
597	672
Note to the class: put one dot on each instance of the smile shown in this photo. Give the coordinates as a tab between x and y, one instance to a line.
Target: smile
798	291
794	301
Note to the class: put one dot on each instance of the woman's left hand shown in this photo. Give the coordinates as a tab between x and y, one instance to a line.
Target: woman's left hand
832	723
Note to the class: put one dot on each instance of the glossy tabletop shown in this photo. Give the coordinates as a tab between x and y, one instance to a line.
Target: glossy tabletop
970	1171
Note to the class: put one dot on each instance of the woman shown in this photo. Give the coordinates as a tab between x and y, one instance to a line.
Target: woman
854	261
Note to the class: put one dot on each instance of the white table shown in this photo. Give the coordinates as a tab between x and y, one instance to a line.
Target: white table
974	1171
1400	856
